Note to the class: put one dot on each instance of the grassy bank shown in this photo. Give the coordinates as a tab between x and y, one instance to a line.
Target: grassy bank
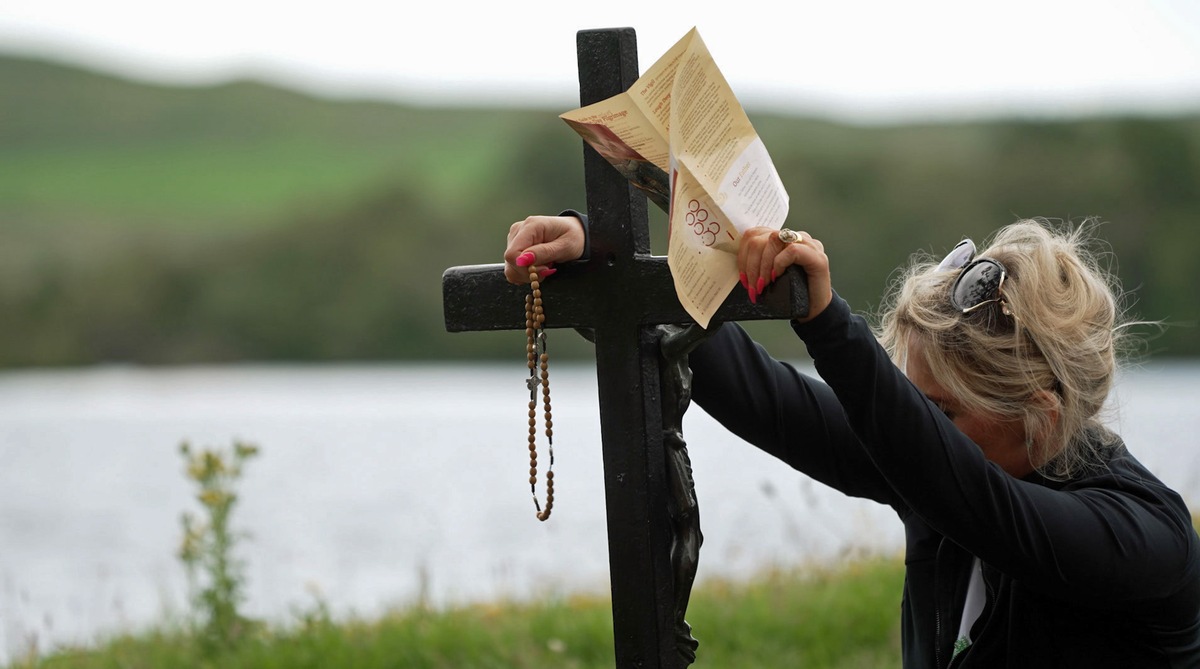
845	618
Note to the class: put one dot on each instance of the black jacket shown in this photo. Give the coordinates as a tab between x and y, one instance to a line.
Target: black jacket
1099	571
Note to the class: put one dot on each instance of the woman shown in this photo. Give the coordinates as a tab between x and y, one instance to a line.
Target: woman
1033	537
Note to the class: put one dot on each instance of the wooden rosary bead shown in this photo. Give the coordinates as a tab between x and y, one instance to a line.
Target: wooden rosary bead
537	358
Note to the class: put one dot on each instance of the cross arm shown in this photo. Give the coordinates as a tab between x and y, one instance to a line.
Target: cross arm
478	297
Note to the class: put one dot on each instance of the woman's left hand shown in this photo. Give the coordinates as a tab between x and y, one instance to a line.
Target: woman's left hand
763	257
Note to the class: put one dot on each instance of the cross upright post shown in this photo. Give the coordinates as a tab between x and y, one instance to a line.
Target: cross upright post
621	294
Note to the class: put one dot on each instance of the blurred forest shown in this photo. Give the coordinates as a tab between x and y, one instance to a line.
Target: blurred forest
160	225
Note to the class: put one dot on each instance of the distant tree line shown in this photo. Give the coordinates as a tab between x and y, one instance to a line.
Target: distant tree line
358	277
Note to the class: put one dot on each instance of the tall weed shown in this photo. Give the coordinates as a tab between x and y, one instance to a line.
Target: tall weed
216	578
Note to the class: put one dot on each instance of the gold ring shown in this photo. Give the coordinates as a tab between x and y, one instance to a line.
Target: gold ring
791	236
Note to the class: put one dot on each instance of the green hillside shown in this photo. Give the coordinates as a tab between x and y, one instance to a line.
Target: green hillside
80	146
152	224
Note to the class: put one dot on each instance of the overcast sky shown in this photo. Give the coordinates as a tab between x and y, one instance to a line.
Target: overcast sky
856	60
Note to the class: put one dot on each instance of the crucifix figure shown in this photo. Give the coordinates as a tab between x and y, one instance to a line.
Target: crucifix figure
621	296
675	382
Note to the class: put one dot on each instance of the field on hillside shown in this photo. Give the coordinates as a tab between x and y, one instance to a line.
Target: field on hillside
159	225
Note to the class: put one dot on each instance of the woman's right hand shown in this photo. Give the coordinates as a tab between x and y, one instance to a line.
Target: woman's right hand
763	257
540	241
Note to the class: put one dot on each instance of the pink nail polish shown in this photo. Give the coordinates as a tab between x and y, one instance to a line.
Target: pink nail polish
546	272
773	276
762	283
525	259
745	282
753	299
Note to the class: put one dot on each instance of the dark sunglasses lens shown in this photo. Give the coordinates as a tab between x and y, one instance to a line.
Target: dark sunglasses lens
979	282
961	254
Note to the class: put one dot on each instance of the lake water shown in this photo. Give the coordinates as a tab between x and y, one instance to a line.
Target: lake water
380	486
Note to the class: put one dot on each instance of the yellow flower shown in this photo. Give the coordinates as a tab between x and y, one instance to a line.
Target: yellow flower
214	498
214	465
193	539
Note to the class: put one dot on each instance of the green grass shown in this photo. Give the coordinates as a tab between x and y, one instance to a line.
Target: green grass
185	182
847	617
190	183
81	147
817	619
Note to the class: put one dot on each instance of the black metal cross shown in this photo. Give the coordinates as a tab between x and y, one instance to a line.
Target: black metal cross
621	294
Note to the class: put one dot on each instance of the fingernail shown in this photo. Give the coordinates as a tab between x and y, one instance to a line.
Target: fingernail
762	283
773	276
525	259
753	299
546	272
742	278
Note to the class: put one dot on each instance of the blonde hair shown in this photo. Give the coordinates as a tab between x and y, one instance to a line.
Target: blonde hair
1050	364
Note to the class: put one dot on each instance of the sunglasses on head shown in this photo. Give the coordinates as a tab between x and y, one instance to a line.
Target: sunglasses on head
980	281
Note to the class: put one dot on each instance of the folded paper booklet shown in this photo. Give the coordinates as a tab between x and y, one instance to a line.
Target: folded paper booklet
680	135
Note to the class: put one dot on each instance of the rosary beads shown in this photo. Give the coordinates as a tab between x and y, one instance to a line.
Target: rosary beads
538	360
